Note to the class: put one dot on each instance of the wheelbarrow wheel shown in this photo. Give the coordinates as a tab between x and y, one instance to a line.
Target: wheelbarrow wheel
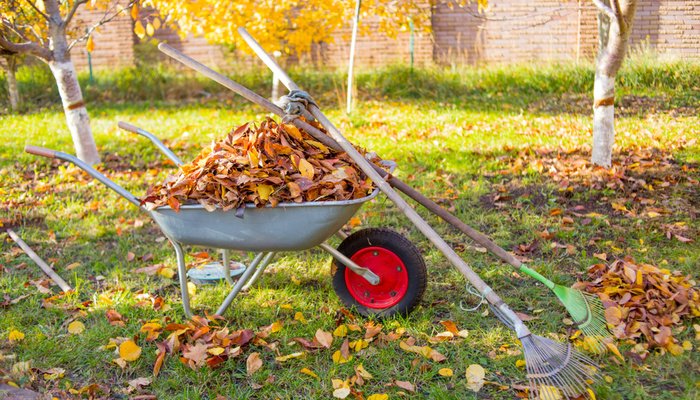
396	261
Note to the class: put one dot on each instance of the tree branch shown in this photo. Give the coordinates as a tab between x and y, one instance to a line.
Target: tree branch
72	12
26	48
619	17
604	8
103	21
46	17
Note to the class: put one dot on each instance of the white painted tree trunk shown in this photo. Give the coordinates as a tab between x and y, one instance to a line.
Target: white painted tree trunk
76	114
12	86
603	120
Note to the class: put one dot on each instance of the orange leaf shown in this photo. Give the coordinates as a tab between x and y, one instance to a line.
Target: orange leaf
253	363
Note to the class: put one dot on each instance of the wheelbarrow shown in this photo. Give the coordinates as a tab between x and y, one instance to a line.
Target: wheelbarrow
375	271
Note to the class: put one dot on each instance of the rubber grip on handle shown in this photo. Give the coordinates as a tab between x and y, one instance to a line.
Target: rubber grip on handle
127	127
40	151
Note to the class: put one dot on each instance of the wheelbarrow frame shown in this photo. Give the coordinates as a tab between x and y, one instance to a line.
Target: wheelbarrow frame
267	231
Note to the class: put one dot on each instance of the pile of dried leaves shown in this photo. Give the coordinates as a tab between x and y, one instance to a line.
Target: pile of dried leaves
269	163
643	301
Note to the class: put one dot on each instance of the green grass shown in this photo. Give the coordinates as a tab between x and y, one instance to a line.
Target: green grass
465	133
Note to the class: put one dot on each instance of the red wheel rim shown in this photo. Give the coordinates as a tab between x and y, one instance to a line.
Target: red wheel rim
392	274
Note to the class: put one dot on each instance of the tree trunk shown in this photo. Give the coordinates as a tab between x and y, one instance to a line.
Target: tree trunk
76	114
69	88
614	31
12	87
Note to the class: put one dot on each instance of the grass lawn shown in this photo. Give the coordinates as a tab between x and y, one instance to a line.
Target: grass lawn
507	155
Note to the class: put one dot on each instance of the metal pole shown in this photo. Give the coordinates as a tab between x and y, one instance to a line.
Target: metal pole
352	55
410	23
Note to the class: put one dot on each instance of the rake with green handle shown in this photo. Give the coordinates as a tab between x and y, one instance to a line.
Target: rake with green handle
586	309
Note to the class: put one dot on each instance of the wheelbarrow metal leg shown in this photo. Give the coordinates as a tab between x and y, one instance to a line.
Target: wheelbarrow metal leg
370	276
182	276
243	279
258	273
227	267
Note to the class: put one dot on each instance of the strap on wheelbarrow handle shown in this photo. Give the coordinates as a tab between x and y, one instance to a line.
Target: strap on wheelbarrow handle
48	153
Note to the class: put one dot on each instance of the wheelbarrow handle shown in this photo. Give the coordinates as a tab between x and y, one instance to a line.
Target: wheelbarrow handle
48	153
162	147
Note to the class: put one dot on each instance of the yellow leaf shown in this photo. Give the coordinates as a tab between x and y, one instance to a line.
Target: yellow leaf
215	351
687	346
340	331
608	379
90	46
129	351
139	30
359	344
567	321
287	357
135	12
475	377
378	396
191	288
675	349
265	191
150	30
339	359
309	372
612	347
286	306
156	23
590	393
76	327
445	372
167	272
520	364
77	264
16	336
300	317
276	327
361	371
549	393
293	130
306	169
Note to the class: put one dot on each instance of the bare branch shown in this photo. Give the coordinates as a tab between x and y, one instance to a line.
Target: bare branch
26	48
604	8
72	11
46	17
102	21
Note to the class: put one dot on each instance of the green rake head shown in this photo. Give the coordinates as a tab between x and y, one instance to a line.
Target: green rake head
588	313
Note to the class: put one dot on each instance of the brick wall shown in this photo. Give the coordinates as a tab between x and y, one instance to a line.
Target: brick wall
511	31
114	43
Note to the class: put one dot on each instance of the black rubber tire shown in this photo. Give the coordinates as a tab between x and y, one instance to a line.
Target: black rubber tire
401	247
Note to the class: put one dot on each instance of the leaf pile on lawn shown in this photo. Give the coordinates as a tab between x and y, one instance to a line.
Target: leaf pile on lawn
645	302
269	163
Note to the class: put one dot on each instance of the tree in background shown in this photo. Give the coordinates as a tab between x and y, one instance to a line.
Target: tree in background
615	19
10	66
42	28
289	26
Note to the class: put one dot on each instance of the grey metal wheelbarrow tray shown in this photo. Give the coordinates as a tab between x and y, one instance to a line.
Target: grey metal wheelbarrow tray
268	230
285	227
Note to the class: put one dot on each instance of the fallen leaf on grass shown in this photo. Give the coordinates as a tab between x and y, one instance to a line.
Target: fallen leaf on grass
475	377
253	363
135	384
309	372
341	389
73	265
378	396
300	317
16	336
548	393
445	372
76	327
405	385
325	339
340	331
525	317
287	357
114	318
129	351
